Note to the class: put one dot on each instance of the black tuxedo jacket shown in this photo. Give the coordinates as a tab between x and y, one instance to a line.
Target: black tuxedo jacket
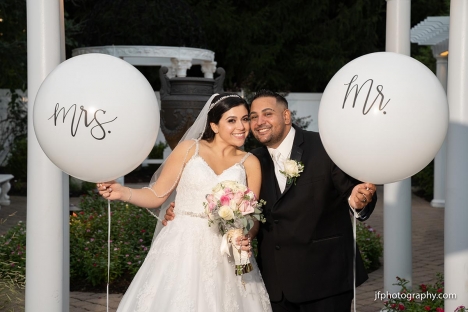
306	244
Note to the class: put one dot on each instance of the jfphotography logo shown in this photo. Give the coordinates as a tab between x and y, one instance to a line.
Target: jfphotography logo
375	95
98	122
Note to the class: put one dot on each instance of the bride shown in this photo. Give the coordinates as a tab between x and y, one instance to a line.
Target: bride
184	269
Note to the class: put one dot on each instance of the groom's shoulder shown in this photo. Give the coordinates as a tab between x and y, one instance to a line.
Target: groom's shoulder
259	151
310	136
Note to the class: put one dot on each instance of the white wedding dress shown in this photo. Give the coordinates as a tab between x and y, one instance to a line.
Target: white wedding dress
184	269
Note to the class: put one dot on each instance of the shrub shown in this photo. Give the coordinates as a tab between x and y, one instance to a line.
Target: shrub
426	298
12	268
78	187
370	246
423	182
158	151
13	122
13	254
132	230
17	163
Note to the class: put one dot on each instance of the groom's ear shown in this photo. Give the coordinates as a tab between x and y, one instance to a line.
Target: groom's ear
287	116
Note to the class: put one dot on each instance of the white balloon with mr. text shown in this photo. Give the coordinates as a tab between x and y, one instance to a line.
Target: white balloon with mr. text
96	117
383	117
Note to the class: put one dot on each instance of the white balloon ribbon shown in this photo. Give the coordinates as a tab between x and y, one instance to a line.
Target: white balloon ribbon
108	251
225	245
242	263
354	259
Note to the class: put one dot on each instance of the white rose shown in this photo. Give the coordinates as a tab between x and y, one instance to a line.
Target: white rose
241	188
217	188
233	205
290	168
226	213
231	185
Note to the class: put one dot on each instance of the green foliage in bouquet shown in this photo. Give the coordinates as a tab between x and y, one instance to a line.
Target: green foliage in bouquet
132	230
370	246
427	297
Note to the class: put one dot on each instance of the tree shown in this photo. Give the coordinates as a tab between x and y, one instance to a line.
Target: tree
291	46
294	45
13	44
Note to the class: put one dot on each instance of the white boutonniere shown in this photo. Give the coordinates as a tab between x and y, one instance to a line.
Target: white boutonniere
292	170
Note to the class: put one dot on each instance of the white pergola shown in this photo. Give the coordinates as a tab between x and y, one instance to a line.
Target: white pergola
434	32
177	59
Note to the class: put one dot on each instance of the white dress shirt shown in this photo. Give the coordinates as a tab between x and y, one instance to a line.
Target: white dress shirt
280	155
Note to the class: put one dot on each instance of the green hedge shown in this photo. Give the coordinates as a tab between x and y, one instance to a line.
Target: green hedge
132	230
370	246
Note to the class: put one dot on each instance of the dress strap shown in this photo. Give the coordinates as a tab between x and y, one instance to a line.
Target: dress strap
244	158
196	147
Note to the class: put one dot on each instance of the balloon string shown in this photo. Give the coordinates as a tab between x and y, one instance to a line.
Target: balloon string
354	259
108	250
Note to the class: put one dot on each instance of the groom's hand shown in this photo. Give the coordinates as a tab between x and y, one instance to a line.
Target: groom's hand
362	195
170	215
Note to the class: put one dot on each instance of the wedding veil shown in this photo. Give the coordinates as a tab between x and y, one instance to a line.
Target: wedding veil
194	132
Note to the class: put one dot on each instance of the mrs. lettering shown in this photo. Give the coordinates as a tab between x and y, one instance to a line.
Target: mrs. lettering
97	131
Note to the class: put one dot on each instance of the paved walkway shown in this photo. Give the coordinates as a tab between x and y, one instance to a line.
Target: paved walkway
428	254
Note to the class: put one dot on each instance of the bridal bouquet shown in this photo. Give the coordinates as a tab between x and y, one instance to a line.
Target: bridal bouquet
233	207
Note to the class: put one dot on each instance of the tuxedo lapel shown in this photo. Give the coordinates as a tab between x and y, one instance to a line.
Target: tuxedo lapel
296	154
270	182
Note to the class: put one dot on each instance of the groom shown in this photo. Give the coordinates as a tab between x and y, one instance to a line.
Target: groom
306	248
306	245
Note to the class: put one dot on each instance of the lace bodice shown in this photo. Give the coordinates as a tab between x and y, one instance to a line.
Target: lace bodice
198	179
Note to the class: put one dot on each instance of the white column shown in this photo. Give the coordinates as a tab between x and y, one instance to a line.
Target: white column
171	73
181	66
456	212
441	157
44	277
208	69
65	195
397	196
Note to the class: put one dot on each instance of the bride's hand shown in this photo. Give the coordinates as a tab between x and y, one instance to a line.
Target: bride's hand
114	191
245	243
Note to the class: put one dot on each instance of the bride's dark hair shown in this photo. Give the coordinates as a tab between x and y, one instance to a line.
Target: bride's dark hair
222	103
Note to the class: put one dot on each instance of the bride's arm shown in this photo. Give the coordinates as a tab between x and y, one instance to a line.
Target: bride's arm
254	181
161	189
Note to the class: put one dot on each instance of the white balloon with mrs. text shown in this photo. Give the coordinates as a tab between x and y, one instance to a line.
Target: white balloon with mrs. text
96	117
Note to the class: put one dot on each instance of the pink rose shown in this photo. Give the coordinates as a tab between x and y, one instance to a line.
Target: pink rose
211	206
211	202
245	207
225	200
238	197
228	192
210	198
